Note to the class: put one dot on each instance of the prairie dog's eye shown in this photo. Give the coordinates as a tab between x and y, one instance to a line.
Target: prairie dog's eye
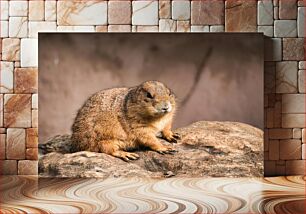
149	95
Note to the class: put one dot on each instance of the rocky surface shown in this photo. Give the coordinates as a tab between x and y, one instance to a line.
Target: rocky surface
208	149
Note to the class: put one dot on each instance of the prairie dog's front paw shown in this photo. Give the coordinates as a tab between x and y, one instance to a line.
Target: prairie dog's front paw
171	137
166	150
126	156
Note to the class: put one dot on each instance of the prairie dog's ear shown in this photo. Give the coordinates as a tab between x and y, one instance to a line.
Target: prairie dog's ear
171	92
139	90
133	94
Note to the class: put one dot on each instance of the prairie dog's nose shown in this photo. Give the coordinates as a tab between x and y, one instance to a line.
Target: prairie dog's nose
167	107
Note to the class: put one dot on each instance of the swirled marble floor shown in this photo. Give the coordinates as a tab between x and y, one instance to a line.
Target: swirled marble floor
26	194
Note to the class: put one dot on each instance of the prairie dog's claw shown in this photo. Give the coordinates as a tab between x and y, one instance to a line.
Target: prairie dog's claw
177	136
167	150
126	156
171	137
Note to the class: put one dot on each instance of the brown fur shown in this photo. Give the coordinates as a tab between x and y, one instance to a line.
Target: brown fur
119	120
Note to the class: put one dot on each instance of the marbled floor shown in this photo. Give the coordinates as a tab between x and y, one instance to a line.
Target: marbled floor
26	194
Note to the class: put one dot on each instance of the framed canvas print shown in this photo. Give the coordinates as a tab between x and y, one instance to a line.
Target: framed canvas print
153	105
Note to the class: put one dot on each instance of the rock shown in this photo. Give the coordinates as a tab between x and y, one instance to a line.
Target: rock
207	149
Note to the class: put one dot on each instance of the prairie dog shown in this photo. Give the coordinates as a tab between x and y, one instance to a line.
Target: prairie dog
116	121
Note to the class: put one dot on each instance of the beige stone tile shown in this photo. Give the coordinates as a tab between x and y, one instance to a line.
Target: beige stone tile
183	26
301	3
301	21
287	9
181	10
76	29
2	146
164	9
17	110
26	80
36	10
32	154
29	53
18	8
4	10
265	12
35	27
134	28
293	49
303	151
50	10
2	130
145	12
274	150
293	103
280	133
167	25
91	12
275	13
34	101
216	28
119	28
34	118
301	81
146	28
302	65
119	12
286	77
240	16
17	64
4	29
1	110
11	49
266	30
297	133
295	167
303	135
290	149
293	121
27	167
6	77
207	12
32	138
199	28
285	28
101	28
8	167
15	143
18	27
275	3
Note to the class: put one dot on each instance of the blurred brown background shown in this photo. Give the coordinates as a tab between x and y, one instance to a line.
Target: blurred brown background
215	76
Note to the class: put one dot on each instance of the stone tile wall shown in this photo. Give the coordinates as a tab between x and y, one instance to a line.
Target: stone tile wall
282	21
